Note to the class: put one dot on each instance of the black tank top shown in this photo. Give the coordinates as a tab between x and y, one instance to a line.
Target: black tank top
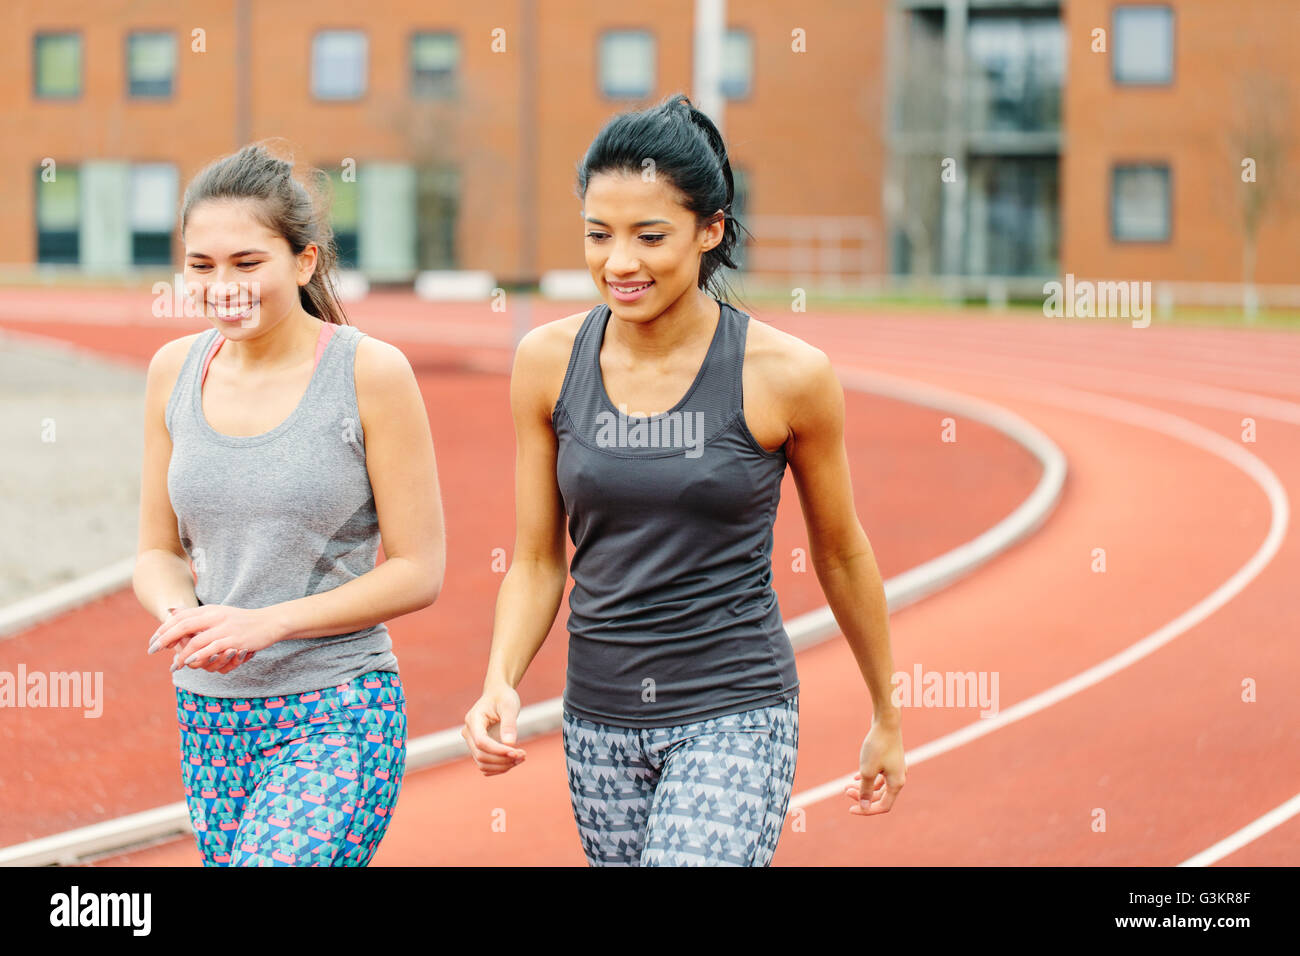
672	615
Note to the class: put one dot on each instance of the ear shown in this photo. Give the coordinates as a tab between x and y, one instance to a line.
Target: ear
307	260
715	230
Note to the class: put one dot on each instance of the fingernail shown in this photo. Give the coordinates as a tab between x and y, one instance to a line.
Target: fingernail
192	658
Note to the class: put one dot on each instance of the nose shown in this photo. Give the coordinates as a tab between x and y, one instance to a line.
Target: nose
224	288
621	259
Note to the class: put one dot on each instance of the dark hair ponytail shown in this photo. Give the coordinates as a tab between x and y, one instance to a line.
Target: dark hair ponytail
284	205
689	151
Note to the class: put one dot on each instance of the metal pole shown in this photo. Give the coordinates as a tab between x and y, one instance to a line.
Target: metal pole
954	193
706	81
520	301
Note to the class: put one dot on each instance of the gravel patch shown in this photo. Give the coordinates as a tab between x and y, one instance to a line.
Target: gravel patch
71	439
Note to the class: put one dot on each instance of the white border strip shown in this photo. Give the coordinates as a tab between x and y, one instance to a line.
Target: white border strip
805	631
40	607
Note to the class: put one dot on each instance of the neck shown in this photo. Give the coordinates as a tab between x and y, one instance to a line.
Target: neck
691	316
282	344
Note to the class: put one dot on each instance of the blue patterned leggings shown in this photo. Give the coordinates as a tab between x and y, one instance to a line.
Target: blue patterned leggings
710	793
305	779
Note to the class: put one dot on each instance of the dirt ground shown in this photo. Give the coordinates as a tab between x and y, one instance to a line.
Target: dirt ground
71	433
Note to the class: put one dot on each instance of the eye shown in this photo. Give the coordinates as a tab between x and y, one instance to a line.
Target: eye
597	235
654	238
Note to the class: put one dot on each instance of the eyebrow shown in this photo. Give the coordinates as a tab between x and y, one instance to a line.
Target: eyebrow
635	225
233	255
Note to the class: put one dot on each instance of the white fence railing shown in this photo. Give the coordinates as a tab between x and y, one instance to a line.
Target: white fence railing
835	249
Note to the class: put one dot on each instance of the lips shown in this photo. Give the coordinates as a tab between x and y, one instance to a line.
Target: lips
629	292
232	312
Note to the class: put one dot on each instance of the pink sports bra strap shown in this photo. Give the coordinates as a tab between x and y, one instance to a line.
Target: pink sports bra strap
322	340
326	333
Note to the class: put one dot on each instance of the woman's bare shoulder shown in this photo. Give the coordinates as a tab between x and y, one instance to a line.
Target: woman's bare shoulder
791	367
549	343
165	366
541	361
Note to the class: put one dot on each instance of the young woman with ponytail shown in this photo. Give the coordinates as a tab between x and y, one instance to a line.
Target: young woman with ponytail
660	425
281	445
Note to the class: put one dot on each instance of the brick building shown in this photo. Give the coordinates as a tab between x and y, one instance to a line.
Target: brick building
463	122
452	131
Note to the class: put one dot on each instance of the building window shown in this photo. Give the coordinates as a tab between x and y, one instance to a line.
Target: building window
150	64
434	60
57	64
737	64
1012	216
338	65
58	216
627	64
437	192
153	213
1015	72
345	219
1139	203
1143	45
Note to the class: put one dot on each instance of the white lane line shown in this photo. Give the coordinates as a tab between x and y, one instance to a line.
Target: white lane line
1251	831
807	629
1174	426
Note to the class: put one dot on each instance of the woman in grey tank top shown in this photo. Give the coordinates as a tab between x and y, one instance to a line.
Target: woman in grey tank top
659	426
274	441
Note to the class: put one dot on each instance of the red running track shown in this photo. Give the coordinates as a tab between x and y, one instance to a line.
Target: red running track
1165	749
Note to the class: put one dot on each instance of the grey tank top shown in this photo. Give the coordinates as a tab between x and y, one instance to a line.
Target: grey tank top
672	615
278	516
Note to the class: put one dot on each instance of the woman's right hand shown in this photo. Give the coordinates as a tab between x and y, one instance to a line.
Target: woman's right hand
494	717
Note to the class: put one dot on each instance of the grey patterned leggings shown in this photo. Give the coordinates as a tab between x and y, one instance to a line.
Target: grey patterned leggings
710	793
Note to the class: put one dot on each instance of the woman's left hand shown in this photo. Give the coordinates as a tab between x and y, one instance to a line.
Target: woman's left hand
218	634
881	762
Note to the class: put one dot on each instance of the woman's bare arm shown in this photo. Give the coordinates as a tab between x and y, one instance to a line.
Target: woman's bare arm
841	554
843	560
162	578
532	589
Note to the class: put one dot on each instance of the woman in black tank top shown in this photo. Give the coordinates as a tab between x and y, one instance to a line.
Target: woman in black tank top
680	719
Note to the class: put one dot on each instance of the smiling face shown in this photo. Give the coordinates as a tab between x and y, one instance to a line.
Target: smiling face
248	275
642	244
